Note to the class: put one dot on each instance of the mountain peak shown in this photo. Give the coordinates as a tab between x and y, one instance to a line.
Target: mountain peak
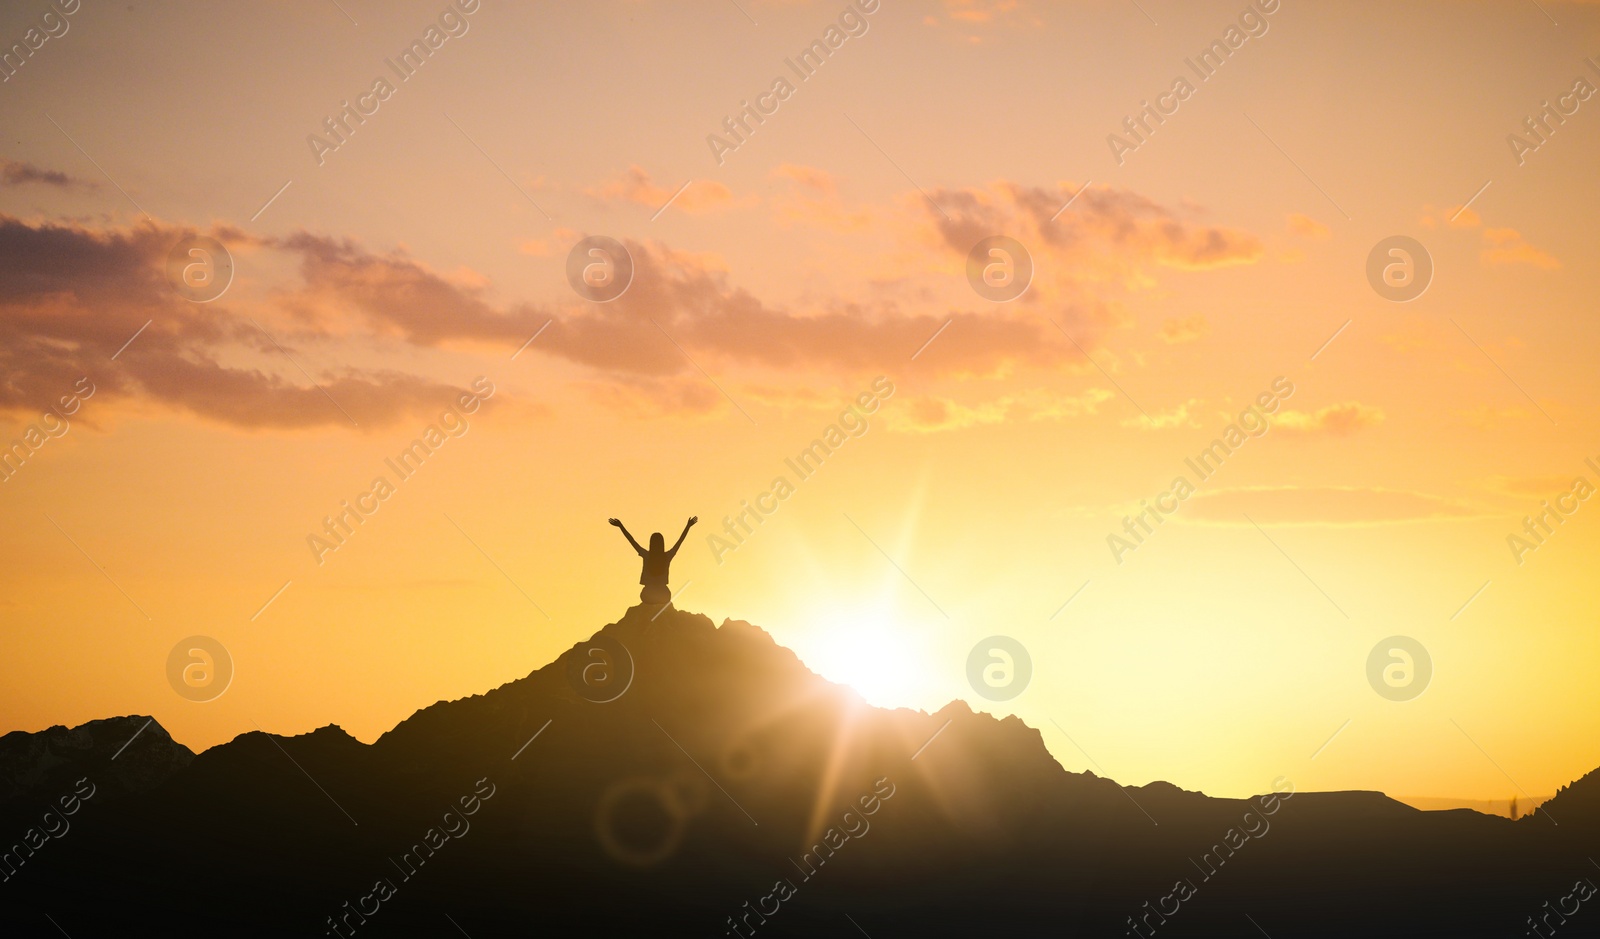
121	755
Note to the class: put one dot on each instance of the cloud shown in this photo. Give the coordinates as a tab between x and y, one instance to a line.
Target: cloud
979	11
1320	505
675	300
972	20
549	246
1180	416
1184	329
73	294
1107	233
395	294
932	413
1336	420
1534	487
1110	239
813	200
70	297
1498	245
1307	227
634	186
818	181
1506	246
17	173
681	307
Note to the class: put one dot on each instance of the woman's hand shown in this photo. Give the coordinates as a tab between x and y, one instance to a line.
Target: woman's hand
616	522
693	519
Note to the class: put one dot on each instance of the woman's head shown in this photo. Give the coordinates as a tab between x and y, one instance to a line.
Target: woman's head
657	543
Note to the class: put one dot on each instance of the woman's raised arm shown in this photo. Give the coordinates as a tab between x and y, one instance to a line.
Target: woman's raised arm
688	525
625	534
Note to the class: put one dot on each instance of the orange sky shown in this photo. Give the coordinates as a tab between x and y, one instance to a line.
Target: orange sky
1216	258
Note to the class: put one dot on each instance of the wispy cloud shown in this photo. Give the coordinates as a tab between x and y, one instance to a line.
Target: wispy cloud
17	173
1335	420
635	186
1184	329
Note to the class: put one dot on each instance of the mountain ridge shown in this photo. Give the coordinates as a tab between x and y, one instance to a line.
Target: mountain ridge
688	767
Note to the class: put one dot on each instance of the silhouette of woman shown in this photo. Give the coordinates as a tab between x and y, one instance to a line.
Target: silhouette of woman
656	562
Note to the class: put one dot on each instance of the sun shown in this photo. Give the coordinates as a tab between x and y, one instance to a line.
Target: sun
872	653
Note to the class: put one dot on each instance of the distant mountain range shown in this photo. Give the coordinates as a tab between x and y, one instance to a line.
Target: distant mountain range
672	777
1520	806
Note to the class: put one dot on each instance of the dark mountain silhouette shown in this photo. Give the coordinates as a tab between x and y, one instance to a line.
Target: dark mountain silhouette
1578	801
677	807
34	768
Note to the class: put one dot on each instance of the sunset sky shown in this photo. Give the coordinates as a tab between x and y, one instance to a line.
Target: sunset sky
1188	275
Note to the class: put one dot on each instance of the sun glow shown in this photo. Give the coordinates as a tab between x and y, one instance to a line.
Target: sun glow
870	651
